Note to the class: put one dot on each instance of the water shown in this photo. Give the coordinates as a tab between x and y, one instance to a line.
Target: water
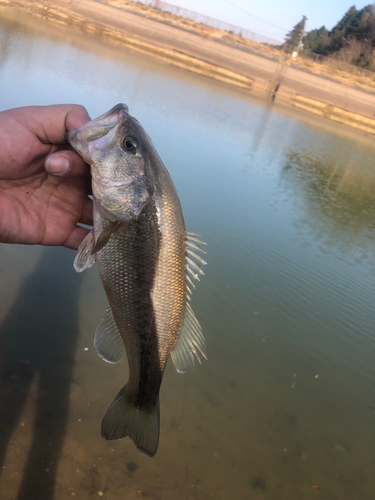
286	401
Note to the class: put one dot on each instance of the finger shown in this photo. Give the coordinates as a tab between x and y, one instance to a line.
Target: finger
66	164
76	117
76	237
50	123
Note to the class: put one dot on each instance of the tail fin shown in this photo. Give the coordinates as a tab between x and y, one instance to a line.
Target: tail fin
124	419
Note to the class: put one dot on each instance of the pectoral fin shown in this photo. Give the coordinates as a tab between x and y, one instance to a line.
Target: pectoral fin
85	258
104	237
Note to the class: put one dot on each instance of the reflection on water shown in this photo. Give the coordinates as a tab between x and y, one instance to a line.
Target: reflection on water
286	401
337	191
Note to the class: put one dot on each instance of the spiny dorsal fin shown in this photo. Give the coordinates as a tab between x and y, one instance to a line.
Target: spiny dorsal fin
190	342
196	247
194	237
194	266
108	342
84	258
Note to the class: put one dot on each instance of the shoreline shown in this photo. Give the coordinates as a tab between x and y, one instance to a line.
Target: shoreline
261	76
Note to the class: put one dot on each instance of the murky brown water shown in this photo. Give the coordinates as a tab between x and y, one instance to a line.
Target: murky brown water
286	401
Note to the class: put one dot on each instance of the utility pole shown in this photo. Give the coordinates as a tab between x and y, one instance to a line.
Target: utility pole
303	33
300	38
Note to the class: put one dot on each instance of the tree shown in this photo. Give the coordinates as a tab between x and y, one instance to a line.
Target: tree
316	38
352	39
294	37
347	21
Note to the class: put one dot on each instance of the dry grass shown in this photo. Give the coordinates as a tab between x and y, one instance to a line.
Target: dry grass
345	74
351	76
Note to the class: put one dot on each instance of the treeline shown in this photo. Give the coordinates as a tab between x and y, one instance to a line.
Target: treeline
351	40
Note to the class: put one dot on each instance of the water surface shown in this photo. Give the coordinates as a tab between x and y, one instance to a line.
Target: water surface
287	207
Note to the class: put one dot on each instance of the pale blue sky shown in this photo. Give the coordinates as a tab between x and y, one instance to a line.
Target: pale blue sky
279	13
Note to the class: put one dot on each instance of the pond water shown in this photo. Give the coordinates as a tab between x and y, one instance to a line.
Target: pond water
286	402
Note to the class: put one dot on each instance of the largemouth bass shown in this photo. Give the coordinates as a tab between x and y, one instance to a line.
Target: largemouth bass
147	262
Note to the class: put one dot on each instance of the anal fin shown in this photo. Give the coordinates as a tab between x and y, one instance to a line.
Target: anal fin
190	342
108	342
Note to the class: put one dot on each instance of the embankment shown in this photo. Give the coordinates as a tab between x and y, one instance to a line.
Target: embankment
212	57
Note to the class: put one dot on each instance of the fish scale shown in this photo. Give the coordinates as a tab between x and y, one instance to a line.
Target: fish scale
132	253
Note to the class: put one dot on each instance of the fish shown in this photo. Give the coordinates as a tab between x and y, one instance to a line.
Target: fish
147	262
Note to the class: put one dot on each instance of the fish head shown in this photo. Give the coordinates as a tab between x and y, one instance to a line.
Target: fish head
114	145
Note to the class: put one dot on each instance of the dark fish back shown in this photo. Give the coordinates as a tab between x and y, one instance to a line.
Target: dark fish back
127	267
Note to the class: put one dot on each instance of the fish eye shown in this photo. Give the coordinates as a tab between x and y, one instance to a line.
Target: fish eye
130	144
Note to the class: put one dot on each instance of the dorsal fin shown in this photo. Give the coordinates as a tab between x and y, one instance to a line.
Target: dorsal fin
193	266
191	338
190	342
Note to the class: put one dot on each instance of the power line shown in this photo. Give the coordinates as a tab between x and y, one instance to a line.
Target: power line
255	17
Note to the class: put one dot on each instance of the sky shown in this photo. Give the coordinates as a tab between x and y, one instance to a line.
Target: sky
273	18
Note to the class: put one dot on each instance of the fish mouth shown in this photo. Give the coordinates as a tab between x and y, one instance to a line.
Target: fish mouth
98	130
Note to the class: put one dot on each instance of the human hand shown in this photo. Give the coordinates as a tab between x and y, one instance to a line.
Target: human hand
44	187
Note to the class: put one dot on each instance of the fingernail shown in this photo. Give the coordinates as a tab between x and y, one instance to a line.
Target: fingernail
57	164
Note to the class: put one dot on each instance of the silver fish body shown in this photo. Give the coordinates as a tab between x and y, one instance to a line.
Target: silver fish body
144	255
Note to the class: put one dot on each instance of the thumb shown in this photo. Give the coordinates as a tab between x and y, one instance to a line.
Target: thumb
67	164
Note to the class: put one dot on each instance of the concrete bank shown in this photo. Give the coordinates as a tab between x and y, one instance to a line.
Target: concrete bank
209	57
336	114
62	15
